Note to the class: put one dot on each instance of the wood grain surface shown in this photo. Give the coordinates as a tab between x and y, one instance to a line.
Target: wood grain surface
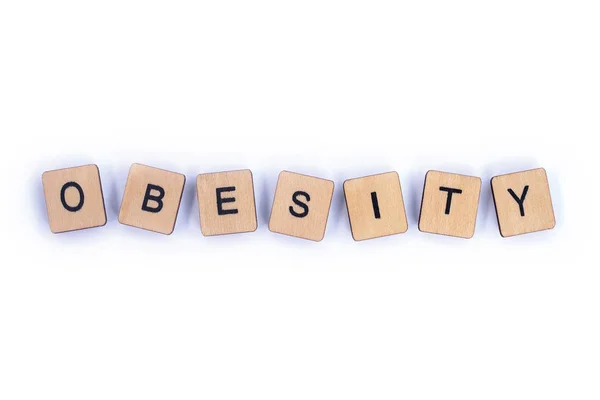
301	206
226	202
449	205
151	199
523	203
74	198
375	206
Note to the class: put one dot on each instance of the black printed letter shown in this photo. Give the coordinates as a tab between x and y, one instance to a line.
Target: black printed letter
521	200
157	199
450	191
221	200
62	196
375	205
299	203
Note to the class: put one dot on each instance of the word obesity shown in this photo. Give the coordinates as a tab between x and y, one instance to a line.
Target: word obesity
301	204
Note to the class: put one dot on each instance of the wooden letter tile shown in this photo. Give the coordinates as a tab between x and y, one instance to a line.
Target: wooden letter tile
226	202
523	202
74	198
449	205
151	199
375	206
301	206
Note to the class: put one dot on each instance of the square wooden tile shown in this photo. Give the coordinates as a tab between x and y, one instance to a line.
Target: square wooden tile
74	198
449	205
301	206
226	202
523	202
375	206
151	199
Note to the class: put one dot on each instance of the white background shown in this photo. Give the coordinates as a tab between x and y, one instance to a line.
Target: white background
336	89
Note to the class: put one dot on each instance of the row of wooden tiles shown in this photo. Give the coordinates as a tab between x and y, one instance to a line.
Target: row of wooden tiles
301	204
